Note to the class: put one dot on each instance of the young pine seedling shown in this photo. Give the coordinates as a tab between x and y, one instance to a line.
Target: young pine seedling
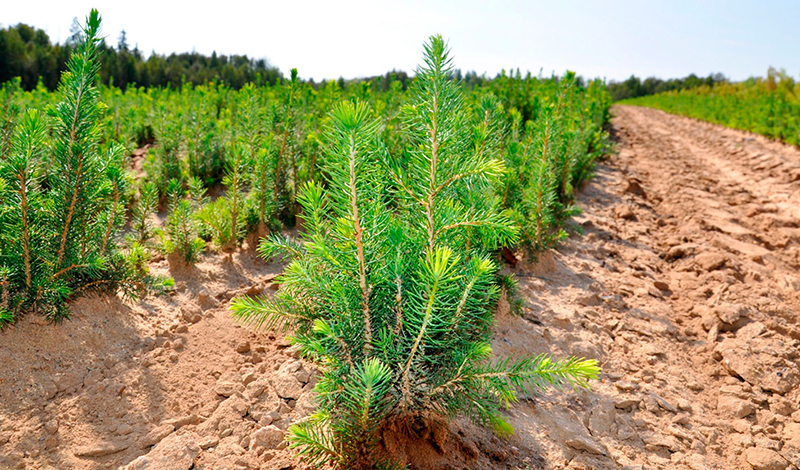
391	287
63	199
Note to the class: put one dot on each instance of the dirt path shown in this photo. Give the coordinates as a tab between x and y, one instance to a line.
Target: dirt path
685	284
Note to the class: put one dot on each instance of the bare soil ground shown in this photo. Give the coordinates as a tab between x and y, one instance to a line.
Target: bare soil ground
685	284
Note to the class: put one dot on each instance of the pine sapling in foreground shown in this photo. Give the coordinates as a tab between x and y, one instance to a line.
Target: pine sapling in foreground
63	200
391	287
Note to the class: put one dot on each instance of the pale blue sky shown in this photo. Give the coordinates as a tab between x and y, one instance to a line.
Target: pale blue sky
328	39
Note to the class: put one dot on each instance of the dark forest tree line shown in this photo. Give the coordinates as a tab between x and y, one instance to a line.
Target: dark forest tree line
635	87
28	53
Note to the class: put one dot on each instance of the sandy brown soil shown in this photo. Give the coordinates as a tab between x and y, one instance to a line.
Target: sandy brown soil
685	284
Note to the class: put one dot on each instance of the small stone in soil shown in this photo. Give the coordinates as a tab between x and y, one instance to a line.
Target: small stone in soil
156	435
624	212
710	261
269	437
227	389
51	426
100	450
735	407
661	285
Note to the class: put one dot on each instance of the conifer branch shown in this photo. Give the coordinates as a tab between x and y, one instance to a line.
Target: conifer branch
67	269
310	437
110	224
483	266
399	180
27	148
437	267
429	204
70	212
398	322
362	266
115	177
26	236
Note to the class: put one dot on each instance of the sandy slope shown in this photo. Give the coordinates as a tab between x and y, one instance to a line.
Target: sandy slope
685	284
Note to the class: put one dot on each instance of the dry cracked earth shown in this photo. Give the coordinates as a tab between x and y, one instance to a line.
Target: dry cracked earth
682	278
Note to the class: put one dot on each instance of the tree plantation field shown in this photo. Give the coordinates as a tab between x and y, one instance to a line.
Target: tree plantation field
399	272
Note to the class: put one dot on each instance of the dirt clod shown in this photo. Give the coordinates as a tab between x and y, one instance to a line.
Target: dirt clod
765	459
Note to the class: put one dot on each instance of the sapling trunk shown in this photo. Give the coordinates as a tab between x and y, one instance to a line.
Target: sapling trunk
28	147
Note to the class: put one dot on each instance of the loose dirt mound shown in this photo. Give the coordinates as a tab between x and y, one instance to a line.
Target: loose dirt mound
685	284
